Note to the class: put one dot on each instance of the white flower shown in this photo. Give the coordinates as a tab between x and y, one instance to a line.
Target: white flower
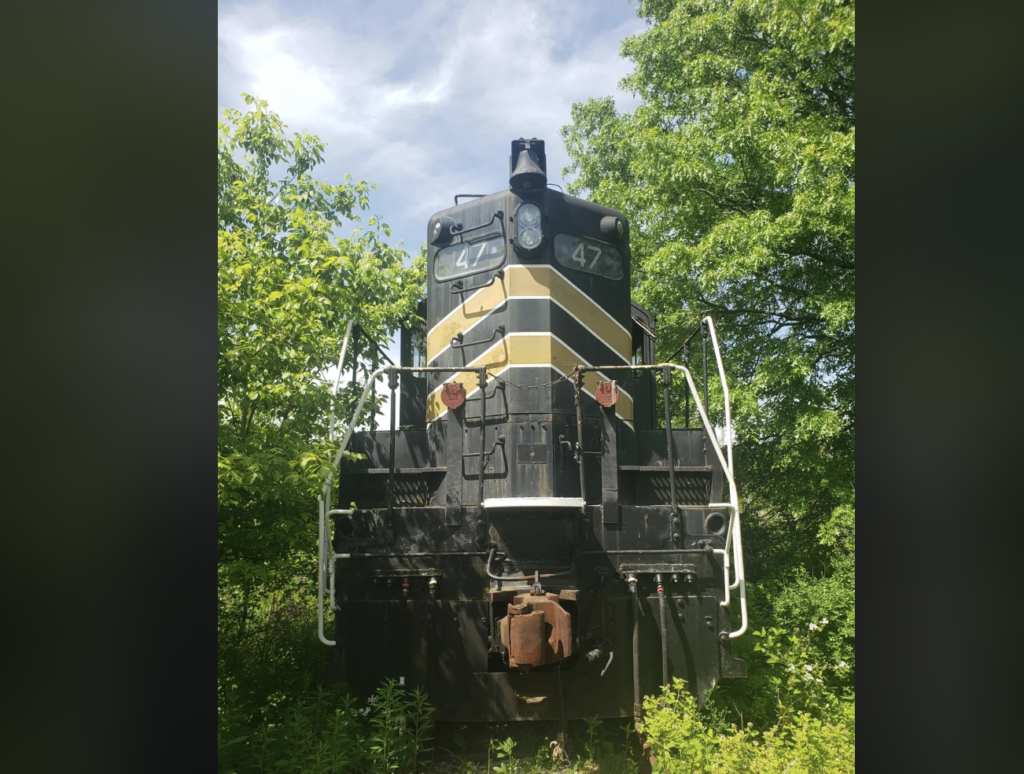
808	667
842	664
824	621
812	626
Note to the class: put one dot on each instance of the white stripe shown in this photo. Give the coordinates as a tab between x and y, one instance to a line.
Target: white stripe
448	346
589	330
554	300
463	302
533	502
549	297
533	365
572	352
601	308
566	309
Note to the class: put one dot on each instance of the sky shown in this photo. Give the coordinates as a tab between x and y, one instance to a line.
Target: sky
424	98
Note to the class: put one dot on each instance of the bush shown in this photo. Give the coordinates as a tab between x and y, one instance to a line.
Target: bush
813	728
268	650
329	734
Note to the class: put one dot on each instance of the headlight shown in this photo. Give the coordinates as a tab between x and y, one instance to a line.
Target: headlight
528	227
529	216
529	238
440	231
613	227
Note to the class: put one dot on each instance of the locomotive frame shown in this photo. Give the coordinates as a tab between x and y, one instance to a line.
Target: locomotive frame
525	521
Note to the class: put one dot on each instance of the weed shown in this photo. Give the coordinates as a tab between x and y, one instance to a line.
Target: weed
401	723
504	750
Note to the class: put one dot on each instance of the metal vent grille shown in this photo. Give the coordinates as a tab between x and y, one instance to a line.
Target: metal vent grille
691	488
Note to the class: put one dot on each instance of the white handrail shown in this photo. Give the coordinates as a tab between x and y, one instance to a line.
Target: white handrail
337	381
734	532
355	415
327	555
725	391
320	578
733	497
728	430
733	537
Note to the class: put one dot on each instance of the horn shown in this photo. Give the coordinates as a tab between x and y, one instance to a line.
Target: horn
527	173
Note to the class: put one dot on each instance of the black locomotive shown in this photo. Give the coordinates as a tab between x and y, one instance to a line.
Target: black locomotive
526	543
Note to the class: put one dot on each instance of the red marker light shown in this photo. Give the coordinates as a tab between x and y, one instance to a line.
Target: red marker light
607	393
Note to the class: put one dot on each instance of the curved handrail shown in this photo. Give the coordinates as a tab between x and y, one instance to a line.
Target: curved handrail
337	381
733	538
326	558
733	505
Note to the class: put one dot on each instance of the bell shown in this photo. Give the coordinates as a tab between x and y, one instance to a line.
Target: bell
527	173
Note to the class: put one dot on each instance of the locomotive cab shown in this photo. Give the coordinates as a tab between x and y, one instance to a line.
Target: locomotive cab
510	534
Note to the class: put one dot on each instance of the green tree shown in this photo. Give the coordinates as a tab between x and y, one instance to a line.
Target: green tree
737	172
287	286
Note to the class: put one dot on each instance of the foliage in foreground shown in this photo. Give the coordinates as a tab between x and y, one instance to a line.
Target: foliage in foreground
796	714
268	651
328	732
803	712
805	742
287	285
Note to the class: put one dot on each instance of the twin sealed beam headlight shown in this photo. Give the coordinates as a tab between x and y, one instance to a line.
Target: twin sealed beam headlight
528	230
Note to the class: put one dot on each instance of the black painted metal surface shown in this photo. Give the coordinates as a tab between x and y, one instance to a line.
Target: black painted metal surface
534	430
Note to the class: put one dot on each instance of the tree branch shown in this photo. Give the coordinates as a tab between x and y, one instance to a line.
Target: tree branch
827	261
780	316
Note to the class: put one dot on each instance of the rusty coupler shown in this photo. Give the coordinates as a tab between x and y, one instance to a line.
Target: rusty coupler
537	630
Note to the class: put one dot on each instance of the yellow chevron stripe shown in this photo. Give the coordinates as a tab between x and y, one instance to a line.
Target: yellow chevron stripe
522	349
546	281
530	282
471	311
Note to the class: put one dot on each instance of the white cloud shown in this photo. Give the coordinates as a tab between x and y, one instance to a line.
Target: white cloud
301	89
452	79
424	97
